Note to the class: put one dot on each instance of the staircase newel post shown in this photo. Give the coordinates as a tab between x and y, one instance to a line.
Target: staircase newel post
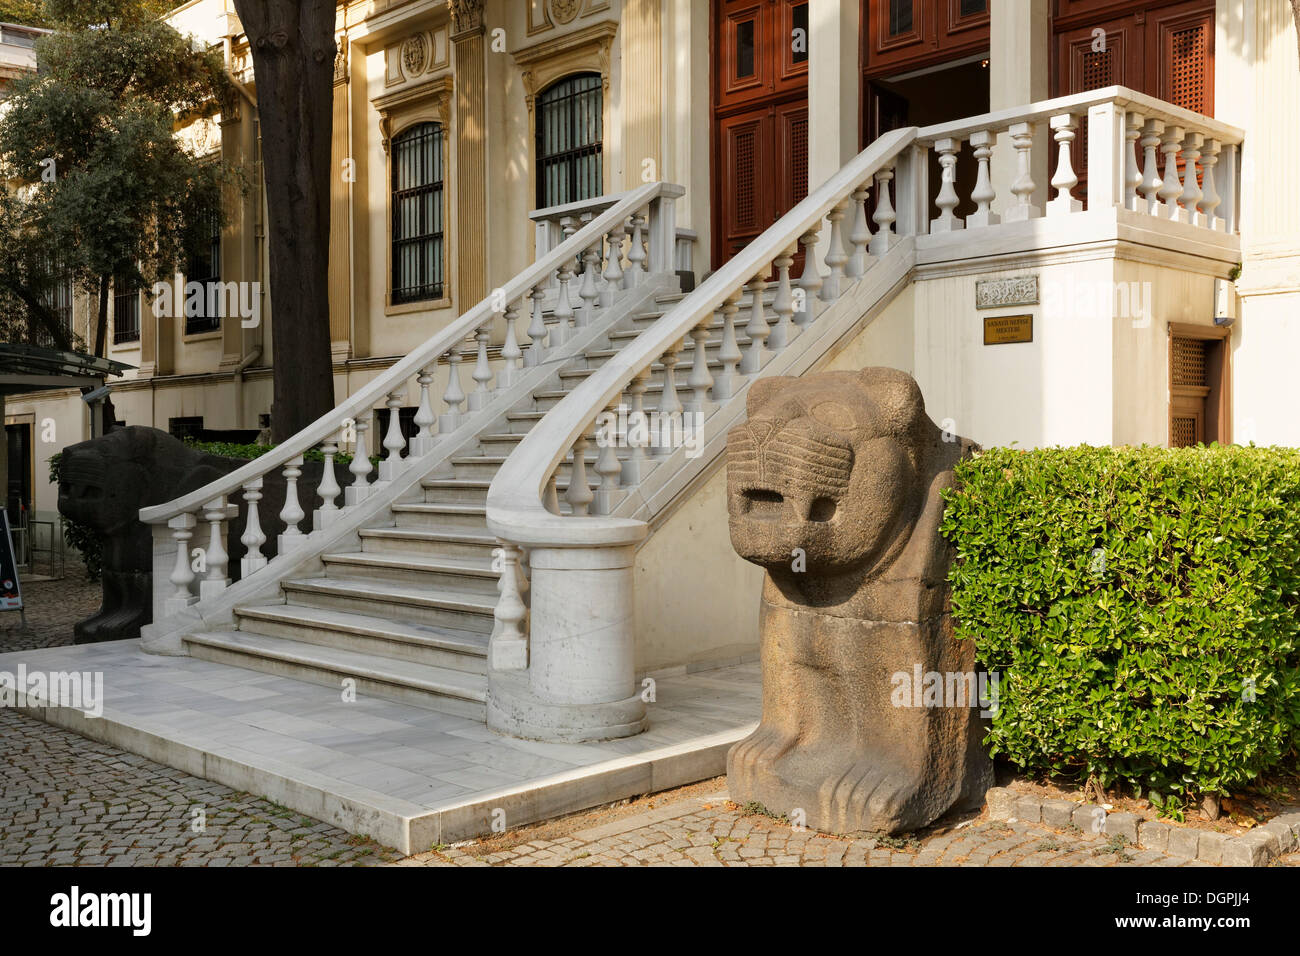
663	235
508	645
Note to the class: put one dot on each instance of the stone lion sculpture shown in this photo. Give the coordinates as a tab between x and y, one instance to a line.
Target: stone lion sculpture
103	484
834	488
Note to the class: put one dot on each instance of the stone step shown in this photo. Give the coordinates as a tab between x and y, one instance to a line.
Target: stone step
435	607
471	518
455	491
445	544
437	688
374	636
471	575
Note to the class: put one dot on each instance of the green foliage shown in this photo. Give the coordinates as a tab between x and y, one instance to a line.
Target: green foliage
1142	606
234	450
29	13
86	540
105	187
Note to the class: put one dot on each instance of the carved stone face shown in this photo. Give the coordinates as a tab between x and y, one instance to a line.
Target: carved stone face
100	485
823	468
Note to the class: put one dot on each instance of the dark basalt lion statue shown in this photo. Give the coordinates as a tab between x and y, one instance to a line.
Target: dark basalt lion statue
103	484
834	488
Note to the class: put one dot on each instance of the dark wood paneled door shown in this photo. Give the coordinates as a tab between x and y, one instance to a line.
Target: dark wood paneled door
760	117
1156	47
1161	48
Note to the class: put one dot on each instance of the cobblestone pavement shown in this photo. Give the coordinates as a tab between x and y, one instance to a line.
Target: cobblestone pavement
699	826
52	608
68	801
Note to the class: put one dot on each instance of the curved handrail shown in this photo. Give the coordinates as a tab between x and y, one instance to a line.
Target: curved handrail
515	509
366	398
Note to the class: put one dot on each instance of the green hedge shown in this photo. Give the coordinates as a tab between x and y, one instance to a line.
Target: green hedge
1131	599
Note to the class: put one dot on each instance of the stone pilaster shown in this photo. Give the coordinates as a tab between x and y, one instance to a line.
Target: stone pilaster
343	174
467	37
643	90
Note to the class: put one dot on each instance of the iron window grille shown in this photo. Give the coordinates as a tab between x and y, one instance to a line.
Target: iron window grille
569	140
126	310
418	241
204	315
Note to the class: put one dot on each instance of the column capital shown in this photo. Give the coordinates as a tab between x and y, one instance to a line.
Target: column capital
466	18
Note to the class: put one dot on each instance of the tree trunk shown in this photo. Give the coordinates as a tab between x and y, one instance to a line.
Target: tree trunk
101	326
293	48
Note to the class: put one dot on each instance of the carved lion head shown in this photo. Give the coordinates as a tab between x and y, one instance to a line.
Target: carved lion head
828	468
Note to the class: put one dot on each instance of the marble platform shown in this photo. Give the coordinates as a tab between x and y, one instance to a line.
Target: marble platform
407	776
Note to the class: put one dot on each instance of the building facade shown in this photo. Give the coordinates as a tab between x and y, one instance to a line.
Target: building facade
454	121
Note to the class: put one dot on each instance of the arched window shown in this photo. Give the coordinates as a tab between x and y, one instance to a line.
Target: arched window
417	213
569	140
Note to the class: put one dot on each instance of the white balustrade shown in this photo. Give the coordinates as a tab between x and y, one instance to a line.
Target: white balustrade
536	353
449	420
425	420
482	374
884	216
292	512
360	467
670	406
1171	188
1150	185
757	328
783	302
810	280
947	201
835	255
1191	197
253	537
1022	140
182	576
1132	175
511	354
983	194
1064	179
394	441
328	489
726	382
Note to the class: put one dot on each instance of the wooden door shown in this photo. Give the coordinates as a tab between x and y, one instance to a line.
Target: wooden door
1156	47
1200	385
902	35
760	118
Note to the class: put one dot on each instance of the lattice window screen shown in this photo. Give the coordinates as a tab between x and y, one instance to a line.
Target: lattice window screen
746	214
1189	362
1188	51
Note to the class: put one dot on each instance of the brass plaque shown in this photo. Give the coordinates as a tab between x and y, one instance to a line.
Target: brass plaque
1004	329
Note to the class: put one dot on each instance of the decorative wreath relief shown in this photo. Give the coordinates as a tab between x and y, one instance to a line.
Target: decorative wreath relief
415	54
565	11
